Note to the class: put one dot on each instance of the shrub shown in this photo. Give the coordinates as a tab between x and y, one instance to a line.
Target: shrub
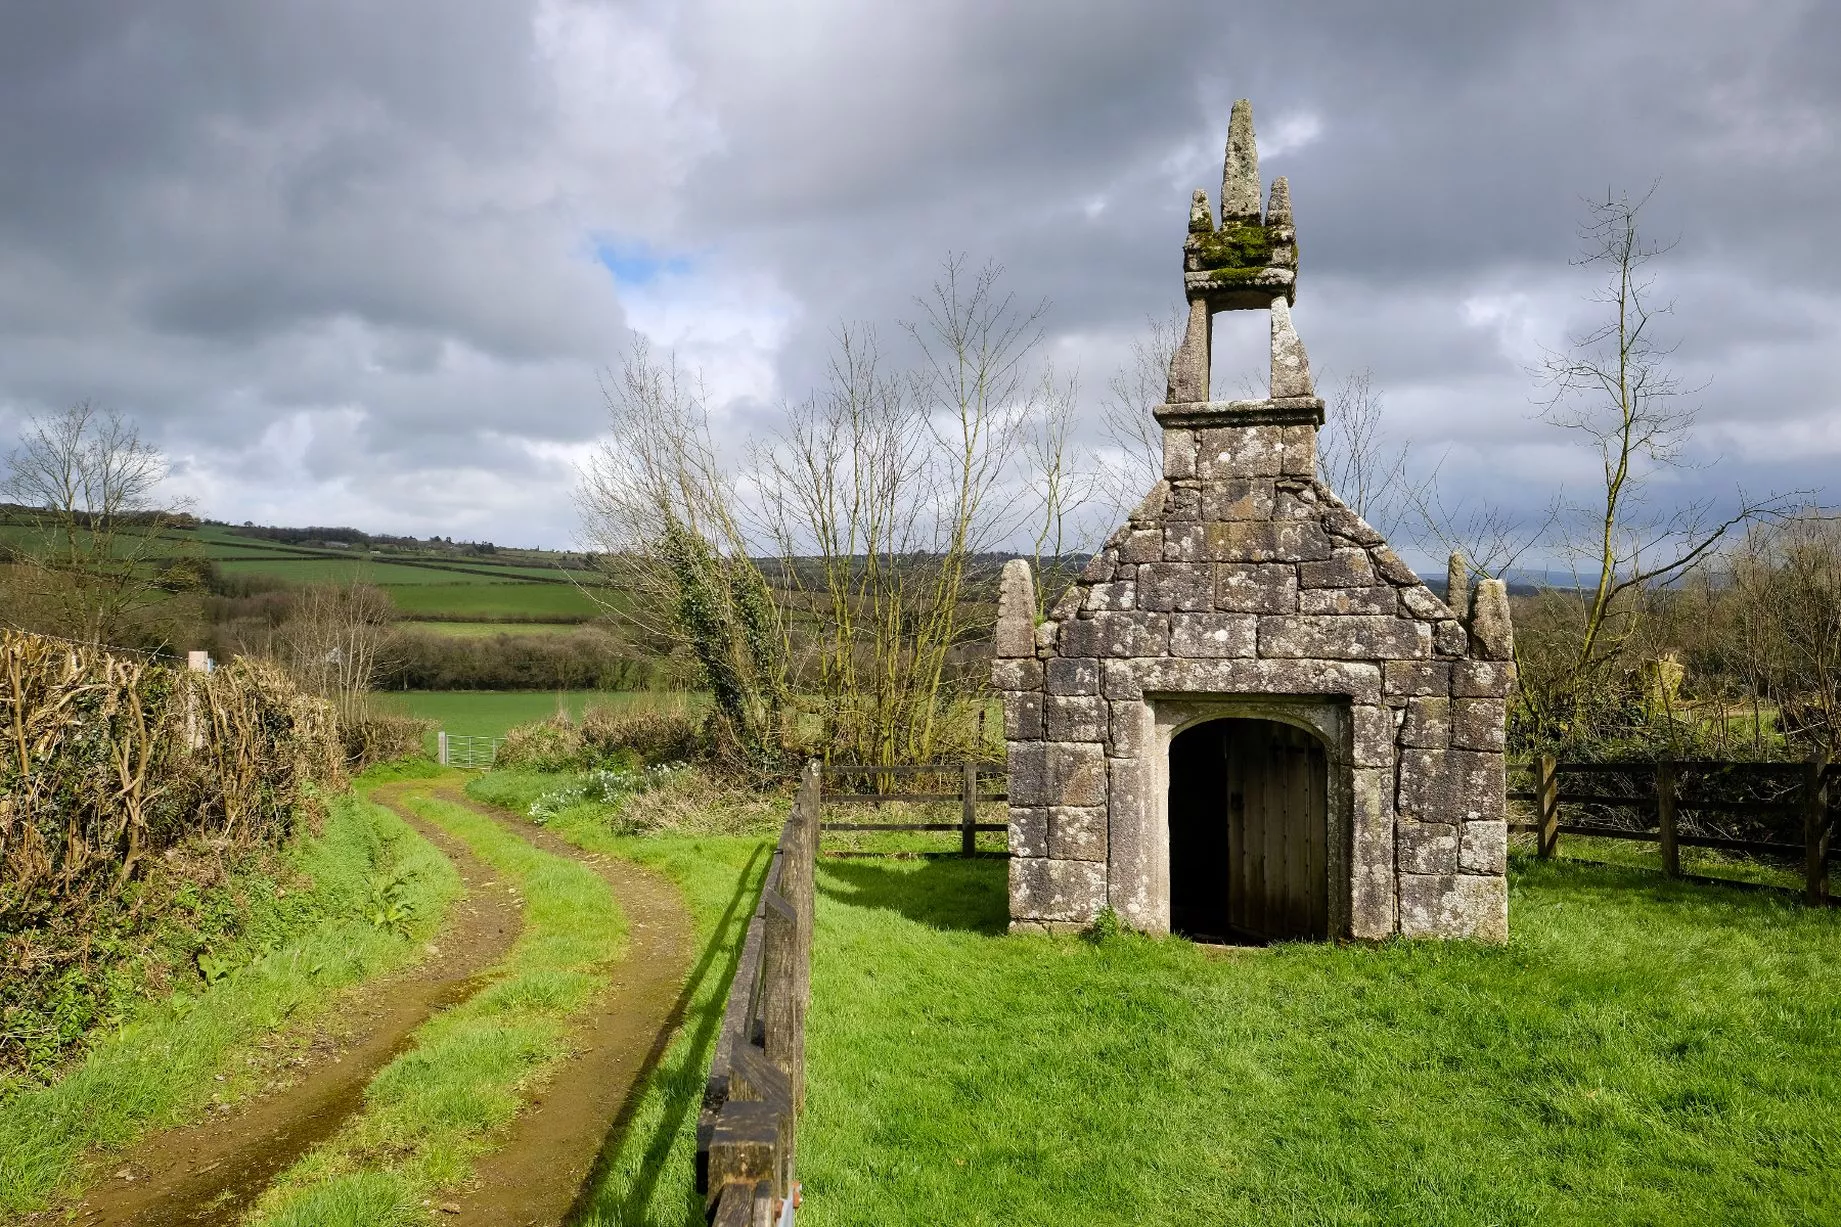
372	737
544	745
652	736
114	765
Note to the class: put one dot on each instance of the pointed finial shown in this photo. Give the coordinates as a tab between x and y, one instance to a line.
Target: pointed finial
1278	207
1201	218
1290	365
1240	171
1492	632
1457	583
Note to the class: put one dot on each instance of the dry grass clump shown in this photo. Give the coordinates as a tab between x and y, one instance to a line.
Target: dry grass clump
654	735
542	745
690	801
373	737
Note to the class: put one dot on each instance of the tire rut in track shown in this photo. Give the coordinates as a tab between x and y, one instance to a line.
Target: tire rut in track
542	1170
210	1172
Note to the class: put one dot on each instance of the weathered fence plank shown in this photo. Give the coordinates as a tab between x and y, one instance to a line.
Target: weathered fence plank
1804	807
965	792
747	1133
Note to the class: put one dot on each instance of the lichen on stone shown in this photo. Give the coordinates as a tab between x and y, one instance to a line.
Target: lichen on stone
1236	245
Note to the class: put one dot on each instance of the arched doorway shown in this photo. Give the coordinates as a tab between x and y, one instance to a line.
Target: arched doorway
1249	840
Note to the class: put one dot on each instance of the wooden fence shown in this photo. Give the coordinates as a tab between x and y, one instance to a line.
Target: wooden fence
966	780
1776	811
747	1132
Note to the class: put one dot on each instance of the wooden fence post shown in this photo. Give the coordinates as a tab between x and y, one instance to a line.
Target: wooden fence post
746	1147
968	810
1665	819
781	1016
1815	832
809	807
1547	800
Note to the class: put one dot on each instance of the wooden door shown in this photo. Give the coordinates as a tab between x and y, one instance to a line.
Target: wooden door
1277	784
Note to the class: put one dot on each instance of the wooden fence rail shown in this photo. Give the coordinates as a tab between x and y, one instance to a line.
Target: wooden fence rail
1804	808
966	792
747	1131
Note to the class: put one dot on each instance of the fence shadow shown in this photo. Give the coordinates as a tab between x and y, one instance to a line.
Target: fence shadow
967	895
684	1082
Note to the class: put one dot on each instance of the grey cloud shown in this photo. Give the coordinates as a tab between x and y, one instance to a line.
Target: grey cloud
221	216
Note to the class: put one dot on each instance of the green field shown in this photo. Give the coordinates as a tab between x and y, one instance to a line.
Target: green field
511	586
488	713
483	600
1641	1052
337	571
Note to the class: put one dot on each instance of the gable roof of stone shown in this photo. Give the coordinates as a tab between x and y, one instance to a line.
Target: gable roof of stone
1272	546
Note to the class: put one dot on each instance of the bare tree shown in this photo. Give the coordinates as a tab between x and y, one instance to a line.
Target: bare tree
100	553
1125	414
878	498
1064	481
1614	388
1360	463
1786	589
332	642
661	507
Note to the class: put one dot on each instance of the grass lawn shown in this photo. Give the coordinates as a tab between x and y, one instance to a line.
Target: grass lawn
1640	1052
488	713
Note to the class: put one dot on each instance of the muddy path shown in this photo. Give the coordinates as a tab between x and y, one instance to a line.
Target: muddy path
543	1168
212	1171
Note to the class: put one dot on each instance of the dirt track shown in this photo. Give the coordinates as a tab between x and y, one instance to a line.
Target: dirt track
537	1176
211	1171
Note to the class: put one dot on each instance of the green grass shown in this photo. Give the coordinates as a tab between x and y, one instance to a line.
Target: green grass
488	713
436	1108
647	1176
1706	862
435	593
161	1065
315	570
1640	1052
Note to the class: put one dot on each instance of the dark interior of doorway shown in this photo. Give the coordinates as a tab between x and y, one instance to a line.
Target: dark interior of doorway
1248	832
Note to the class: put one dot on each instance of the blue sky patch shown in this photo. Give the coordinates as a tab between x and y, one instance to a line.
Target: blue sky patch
636	264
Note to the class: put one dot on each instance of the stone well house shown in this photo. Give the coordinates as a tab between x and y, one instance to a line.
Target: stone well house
1249	717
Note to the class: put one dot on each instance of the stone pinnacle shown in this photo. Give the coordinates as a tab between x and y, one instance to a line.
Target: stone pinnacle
1240	171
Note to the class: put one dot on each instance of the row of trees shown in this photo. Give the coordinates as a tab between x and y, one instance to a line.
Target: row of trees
831	578
843	548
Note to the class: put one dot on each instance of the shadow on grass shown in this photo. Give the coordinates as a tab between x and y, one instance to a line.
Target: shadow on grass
1611	882
969	895
632	1206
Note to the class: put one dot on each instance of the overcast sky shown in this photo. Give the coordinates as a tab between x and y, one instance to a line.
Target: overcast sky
361	263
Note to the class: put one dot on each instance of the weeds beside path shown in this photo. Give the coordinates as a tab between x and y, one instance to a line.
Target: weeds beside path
201	1051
